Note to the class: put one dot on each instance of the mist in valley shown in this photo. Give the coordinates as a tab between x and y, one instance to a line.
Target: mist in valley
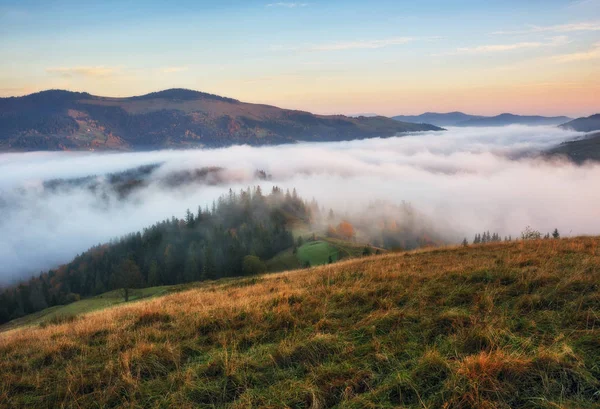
456	183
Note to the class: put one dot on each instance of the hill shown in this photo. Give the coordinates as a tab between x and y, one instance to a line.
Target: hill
174	118
588	124
243	233
489	326
439	119
580	150
462	119
511	119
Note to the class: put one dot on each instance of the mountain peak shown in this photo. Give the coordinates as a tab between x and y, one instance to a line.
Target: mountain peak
182	94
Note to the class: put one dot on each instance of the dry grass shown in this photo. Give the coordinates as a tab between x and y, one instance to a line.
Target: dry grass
493	326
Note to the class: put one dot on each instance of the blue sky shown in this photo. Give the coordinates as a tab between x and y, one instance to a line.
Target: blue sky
348	56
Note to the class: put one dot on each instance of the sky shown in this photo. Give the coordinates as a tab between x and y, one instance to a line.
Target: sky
351	56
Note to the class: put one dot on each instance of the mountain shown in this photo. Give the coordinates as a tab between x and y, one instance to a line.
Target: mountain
580	150
462	119
511	119
505	325
589	124
434	118
174	118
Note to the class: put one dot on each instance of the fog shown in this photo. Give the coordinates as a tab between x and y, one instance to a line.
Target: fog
464	180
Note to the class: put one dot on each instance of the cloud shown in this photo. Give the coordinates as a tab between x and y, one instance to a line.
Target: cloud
559	28
83	71
471	179
170	70
592	54
494	48
289	5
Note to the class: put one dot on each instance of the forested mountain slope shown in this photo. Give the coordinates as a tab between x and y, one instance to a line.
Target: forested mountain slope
174	118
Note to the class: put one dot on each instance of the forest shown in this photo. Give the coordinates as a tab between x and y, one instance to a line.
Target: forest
232	238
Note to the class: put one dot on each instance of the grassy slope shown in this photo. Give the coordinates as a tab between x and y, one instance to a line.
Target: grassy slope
100	302
317	253
498	325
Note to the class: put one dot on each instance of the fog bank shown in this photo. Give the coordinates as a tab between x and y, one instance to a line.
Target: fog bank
464	180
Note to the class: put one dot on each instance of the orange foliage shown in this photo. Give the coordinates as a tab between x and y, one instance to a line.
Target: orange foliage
346	230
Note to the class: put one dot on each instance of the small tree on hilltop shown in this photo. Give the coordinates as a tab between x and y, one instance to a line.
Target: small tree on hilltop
530	234
556	234
465	243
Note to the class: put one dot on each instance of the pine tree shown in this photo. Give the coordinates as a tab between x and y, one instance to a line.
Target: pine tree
556	234
189	218
465	243
153	274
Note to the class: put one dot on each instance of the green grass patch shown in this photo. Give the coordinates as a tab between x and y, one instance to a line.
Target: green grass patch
316	253
286	260
57	314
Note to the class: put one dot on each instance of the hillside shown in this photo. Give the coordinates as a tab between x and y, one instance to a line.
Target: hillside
438	119
511	119
175	118
580	150
243	233
494	326
587	124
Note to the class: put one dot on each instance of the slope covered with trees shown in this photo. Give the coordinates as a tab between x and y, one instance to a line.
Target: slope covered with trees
174	118
242	233
580	150
586	124
233	238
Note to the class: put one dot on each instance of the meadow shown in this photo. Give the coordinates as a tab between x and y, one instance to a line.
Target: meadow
499	325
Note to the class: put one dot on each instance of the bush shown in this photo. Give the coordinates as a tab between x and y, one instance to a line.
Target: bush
253	265
530	234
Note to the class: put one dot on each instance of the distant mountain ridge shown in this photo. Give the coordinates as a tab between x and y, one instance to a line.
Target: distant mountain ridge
585	124
173	118
512	119
467	120
438	119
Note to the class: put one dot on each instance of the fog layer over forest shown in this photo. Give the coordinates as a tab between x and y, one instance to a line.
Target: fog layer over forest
54	205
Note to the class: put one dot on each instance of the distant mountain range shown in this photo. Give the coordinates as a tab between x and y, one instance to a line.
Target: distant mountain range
174	118
439	119
462	119
588	124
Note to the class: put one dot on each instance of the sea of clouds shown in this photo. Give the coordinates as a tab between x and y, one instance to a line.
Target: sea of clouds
464	180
